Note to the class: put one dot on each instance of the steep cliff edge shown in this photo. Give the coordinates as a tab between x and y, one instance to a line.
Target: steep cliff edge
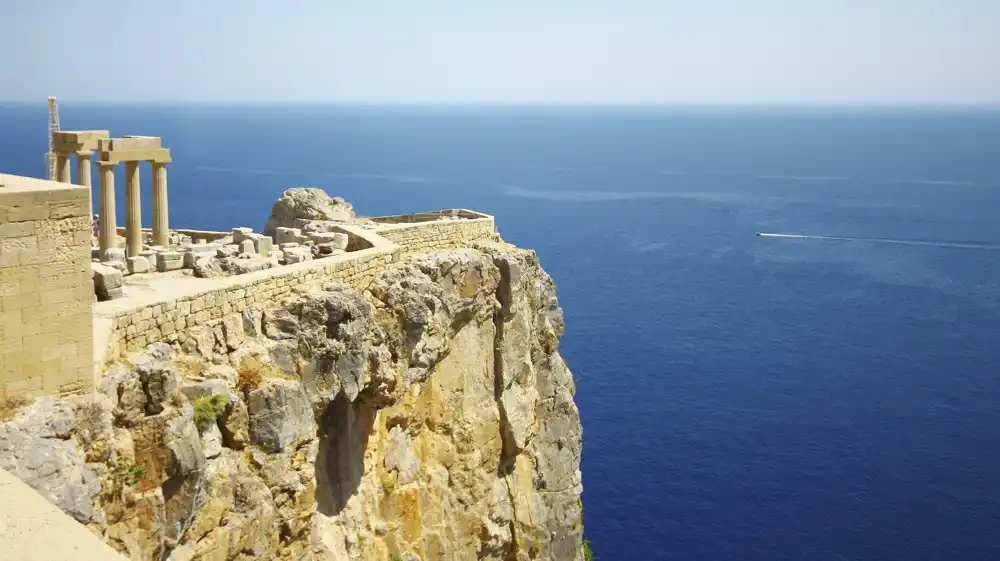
429	417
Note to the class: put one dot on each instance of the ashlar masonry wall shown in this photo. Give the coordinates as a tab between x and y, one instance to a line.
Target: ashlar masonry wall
211	313
46	291
441	234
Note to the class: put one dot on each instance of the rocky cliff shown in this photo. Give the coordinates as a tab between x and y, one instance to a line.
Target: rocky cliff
429	417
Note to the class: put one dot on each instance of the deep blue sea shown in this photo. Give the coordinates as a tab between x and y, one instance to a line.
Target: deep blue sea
743	397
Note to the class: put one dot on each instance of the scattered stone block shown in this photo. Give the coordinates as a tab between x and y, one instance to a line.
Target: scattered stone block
247	264
240	234
262	244
207	267
169	261
285	235
227	251
120	265
321	237
138	264
337	240
297	255
107	282
114	254
247	247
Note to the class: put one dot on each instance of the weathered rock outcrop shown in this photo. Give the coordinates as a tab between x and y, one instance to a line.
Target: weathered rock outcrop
300	205
430	417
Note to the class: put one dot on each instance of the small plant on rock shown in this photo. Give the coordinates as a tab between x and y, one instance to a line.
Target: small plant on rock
10	405
249	374
125	476
207	410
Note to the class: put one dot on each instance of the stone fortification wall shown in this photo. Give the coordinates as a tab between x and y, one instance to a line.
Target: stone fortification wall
440	234
176	316
46	292
216	306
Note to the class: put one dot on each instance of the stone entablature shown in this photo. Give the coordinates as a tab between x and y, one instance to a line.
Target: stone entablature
46	292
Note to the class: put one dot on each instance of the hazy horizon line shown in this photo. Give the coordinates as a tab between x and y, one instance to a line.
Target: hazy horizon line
527	104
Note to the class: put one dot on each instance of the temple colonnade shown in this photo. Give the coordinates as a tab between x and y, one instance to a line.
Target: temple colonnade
132	150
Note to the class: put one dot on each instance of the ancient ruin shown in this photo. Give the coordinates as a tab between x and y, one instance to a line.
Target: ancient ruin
132	150
332	388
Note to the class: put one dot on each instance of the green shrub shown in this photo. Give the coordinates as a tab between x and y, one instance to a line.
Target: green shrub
588	555
207	410
125	475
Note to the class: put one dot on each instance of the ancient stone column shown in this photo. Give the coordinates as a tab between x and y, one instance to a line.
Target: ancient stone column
160	221
133	210
106	200
83	175
62	167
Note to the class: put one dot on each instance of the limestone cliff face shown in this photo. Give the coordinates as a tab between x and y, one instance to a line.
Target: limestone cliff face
430	417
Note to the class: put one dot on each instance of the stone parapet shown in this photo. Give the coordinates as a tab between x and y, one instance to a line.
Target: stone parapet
175	314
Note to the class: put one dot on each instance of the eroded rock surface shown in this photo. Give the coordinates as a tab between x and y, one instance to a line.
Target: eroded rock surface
302	204
430	417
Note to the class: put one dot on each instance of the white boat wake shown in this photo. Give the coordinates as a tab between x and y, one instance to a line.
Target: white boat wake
956	245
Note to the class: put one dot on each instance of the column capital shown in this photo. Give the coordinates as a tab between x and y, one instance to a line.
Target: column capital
106	164
85	154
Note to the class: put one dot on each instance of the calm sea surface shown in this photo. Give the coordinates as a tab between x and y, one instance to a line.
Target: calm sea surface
743	397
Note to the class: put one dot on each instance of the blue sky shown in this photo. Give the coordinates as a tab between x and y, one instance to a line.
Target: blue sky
511	51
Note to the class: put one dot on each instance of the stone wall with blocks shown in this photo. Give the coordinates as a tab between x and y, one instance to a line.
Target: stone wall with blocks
46	290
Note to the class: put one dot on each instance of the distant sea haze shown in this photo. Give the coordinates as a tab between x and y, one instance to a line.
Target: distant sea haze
829	392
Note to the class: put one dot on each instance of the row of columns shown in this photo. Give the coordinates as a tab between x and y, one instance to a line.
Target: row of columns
107	224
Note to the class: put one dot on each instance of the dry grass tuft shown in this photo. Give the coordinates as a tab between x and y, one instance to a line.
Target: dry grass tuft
11	404
250	374
190	368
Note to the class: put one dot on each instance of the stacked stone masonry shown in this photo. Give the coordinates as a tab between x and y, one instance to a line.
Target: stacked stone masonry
46	291
176	318
438	235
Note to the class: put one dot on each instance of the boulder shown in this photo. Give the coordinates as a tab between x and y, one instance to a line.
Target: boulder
234	424
280	416
211	442
36	447
227	250
167	445
307	203
207	388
